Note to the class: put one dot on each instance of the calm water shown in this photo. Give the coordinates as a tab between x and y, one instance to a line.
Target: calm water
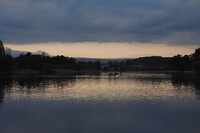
133	103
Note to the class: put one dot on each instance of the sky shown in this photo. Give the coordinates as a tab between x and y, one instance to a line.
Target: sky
101	28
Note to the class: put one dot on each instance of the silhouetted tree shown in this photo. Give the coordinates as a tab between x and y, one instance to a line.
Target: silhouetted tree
196	60
181	63
5	60
2	51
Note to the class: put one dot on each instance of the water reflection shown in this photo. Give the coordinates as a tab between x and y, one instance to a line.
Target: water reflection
41	83
5	84
189	81
129	86
135	102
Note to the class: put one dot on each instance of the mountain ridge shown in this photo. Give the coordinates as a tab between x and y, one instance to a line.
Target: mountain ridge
16	53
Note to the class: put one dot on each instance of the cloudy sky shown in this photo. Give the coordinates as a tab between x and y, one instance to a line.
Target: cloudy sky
101	28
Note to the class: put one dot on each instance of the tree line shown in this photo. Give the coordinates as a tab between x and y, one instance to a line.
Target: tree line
156	63
48	64
45	63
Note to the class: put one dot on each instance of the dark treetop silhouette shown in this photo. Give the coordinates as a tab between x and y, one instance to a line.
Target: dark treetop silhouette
2	51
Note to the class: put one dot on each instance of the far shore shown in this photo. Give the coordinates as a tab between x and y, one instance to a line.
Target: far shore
70	72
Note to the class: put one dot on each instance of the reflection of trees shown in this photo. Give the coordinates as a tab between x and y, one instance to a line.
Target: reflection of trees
1	94
197	85
41	83
5	83
61	83
182	82
27	84
179	80
187	80
155	79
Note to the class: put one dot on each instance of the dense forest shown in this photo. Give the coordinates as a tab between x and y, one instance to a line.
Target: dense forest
157	63
46	64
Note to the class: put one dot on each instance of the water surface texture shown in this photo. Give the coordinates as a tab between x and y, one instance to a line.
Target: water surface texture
132	103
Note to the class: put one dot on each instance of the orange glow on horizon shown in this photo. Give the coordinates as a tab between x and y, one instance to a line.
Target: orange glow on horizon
106	50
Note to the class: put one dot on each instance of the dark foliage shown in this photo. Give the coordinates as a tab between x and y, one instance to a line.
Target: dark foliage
181	63
196	60
81	65
149	63
46	63
176	63
6	63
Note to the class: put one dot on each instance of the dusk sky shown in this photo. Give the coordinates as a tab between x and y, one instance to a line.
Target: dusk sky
101	28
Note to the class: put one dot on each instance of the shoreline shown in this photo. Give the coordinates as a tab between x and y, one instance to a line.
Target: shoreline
70	72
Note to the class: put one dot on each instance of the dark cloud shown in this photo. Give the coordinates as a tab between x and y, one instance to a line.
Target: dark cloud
154	21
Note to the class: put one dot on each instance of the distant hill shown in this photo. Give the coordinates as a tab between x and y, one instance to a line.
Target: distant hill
149	63
103	61
16	53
